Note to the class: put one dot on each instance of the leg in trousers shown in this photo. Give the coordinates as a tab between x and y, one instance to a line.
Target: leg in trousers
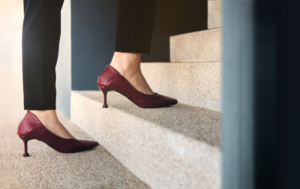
41	35
135	25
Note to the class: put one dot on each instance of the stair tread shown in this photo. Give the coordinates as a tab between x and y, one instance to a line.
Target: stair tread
197	123
159	145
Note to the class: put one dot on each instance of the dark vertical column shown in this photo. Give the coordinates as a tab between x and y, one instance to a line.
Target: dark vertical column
260	94
265	77
288	150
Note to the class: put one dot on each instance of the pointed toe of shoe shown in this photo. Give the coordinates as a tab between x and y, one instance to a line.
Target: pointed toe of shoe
92	144
89	144
172	101
168	101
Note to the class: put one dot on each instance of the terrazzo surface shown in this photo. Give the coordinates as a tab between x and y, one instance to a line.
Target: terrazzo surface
196	84
47	168
200	46
214	14
174	147
197	123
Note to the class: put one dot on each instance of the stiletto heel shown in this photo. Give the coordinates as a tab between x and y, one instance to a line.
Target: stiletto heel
31	128
111	80
25	148
104	91
105	96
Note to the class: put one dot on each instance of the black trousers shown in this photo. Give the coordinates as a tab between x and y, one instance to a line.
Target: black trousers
41	35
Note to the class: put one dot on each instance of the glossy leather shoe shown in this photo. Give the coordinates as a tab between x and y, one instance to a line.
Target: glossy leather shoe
111	80
31	128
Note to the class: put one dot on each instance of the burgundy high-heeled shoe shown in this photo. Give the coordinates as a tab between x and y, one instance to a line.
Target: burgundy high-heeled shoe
31	128
111	80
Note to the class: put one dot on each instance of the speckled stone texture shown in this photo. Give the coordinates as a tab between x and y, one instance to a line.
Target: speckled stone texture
214	14
47	168
175	147
196	84
201	46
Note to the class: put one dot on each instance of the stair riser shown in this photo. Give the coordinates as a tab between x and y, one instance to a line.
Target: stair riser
159	157
196	84
214	14
202	46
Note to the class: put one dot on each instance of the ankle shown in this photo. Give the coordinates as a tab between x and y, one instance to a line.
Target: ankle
127	64
43	113
50	120
46	116
127	70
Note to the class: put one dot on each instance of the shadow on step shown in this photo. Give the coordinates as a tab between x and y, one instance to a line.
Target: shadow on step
193	122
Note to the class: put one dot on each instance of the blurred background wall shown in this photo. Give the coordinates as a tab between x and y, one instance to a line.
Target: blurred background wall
11	17
11	21
63	67
93	32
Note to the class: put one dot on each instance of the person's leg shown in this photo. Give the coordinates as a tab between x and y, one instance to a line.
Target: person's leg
41	34
135	26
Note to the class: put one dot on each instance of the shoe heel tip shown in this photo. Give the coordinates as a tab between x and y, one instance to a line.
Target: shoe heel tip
26	155
105	106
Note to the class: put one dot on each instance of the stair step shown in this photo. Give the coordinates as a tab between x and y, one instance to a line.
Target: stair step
214	14
174	147
196	84
201	46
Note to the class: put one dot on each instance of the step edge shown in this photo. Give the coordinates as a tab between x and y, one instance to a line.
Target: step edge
201	31
157	125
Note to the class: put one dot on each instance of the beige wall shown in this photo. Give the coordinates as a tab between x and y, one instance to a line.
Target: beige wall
11	18
63	68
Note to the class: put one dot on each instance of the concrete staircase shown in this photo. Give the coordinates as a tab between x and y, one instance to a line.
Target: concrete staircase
174	147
